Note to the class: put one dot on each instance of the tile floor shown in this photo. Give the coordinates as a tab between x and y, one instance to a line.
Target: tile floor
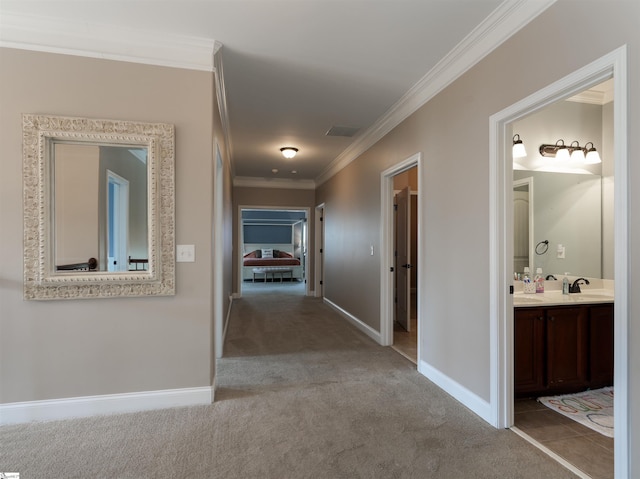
589	451
406	343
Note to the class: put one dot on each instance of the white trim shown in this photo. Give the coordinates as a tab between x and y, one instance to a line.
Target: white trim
365	328
226	321
240	244
318	264
500	25
386	244
255	182
501	304
56	409
474	402
95	40
529	182
217	253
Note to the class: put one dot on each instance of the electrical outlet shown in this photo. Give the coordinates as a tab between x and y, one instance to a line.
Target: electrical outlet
185	253
560	252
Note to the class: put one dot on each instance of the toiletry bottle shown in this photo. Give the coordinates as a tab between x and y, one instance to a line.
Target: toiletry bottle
527	283
565	284
539	281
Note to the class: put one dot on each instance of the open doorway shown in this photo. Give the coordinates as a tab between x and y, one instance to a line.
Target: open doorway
400	267
572	351
405	317
274	249
504	354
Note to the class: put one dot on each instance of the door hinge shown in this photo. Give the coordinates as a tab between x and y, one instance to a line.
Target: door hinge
511	289
391	269
320	250
321	218
395	207
321	282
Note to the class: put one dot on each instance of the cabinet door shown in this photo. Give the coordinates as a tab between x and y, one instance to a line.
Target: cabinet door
528	351
567	349
601	345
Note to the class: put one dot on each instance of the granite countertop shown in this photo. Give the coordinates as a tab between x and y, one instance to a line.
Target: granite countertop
556	298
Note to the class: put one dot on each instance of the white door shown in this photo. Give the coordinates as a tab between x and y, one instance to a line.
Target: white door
403	258
117	222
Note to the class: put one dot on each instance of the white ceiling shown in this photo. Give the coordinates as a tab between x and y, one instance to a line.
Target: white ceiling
293	69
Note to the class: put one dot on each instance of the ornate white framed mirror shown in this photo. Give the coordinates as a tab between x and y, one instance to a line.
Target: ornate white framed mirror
98	202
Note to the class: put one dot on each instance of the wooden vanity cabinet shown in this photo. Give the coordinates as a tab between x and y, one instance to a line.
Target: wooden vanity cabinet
567	349
529	350
562	349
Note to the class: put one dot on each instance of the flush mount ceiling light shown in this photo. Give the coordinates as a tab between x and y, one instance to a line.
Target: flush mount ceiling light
518	147
574	152
288	151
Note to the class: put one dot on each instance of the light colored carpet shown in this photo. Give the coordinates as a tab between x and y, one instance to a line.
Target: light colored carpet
301	394
593	408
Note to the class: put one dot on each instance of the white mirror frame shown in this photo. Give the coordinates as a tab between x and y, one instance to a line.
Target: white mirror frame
41	281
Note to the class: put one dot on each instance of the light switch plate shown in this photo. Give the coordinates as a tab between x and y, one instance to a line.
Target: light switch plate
185	253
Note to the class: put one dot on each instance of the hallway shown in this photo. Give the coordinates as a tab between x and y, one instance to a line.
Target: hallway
300	394
314	397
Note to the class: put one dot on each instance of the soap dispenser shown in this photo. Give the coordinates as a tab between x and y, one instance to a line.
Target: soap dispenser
565	284
539	281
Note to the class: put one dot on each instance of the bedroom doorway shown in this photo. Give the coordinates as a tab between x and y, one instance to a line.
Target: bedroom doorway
273	250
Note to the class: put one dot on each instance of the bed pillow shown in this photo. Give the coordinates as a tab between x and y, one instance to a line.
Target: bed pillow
267	252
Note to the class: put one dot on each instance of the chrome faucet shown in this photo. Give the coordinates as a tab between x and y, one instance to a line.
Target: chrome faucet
575	287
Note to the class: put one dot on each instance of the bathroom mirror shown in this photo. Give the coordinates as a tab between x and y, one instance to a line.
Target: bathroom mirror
98	208
566	210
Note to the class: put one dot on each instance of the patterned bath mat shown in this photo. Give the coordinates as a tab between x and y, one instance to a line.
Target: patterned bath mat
593	409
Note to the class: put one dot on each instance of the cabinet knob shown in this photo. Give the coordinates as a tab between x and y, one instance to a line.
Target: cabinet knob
551	318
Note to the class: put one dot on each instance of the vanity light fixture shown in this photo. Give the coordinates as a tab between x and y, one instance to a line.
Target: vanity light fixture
577	154
518	150
288	151
592	155
574	152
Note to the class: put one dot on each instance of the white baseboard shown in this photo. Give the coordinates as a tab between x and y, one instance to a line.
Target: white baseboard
471	400
56	409
365	328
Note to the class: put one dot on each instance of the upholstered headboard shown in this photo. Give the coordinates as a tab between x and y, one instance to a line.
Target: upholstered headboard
287	247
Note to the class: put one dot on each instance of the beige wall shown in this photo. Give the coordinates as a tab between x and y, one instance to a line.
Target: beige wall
277	198
452	133
59	349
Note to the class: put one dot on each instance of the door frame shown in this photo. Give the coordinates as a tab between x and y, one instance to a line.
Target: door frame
613	65
318	264
240	252
121	221
386	245
529	183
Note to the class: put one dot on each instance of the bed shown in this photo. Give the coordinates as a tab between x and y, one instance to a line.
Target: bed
256	255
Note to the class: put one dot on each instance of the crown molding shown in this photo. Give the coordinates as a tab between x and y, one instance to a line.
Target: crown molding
499	26
94	40
255	182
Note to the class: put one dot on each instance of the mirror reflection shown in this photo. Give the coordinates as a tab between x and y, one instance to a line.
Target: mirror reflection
570	203
100	207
